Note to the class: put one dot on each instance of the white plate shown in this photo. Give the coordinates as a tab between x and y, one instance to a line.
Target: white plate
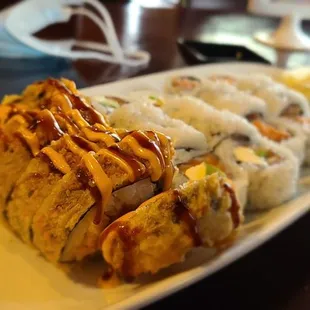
30	282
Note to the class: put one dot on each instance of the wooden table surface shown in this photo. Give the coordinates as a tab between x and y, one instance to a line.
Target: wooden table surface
277	275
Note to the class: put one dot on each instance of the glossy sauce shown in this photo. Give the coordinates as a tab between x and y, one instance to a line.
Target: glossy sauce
165	144
109	279
84	143
97	136
184	215
103	183
57	159
121	162
48	123
235	207
70	127
143	147
86	126
128	238
88	112
5	111
78	119
31	140
137	167
73	147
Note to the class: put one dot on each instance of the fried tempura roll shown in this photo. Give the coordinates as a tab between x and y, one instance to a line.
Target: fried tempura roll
97	182
166	227
38	180
29	122
19	146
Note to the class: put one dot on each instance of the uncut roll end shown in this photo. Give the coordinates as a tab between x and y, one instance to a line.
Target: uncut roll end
166	227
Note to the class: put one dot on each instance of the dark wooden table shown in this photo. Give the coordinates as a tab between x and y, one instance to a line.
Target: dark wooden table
277	275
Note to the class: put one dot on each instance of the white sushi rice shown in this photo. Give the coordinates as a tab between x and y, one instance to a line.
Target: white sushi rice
275	184
215	125
297	142
187	141
173	90
268	186
224	96
276	95
241	177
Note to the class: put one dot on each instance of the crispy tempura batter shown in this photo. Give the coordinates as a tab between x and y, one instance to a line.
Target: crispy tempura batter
163	229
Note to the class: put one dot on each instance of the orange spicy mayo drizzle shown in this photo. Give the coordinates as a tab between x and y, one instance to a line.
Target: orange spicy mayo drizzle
47	121
123	163
73	147
82	127
90	114
57	159
24	133
169	167
143	147
97	136
103	183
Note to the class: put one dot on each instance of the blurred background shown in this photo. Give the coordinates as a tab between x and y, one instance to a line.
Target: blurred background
154	26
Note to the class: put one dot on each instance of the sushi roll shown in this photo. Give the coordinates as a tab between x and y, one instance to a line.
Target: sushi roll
79	174
273	170
225	96
194	156
34	119
97	183
166	227
282	102
187	141
183	85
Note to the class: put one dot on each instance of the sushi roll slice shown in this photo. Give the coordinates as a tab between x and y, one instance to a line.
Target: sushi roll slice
187	141
96	182
282	102
183	85
75	164
225	96
273	170
166	227
37	181
32	120
194	156
19	145
107	104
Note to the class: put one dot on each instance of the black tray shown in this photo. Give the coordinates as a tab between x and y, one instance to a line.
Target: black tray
197	52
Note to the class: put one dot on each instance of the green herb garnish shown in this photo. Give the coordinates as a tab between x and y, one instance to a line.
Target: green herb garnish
210	169
261	153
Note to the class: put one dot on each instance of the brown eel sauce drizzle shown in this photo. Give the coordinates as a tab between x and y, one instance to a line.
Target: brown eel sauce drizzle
127	237
234	209
38	128
184	215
